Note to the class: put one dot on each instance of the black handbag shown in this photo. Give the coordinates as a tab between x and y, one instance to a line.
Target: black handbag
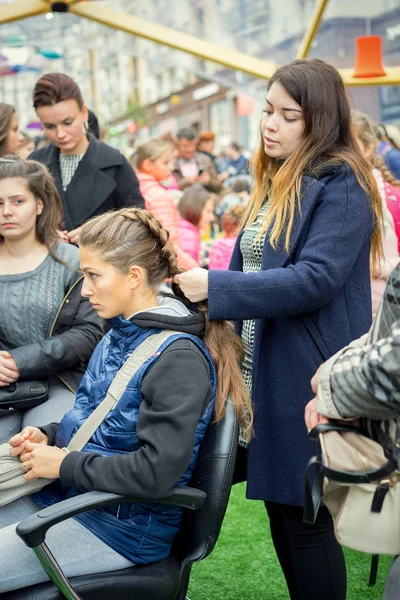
22	394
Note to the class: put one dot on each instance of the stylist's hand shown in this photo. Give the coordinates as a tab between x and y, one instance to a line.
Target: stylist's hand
312	416
73	236
28	434
194	284
9	372
63	235
41	461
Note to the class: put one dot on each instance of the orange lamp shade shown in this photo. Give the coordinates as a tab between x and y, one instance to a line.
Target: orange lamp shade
369	62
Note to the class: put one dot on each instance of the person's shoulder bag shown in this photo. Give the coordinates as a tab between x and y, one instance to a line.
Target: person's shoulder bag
357	475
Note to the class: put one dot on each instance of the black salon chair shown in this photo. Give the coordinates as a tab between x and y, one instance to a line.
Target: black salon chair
204	503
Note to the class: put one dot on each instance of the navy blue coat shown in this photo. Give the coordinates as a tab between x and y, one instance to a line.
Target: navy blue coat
308	304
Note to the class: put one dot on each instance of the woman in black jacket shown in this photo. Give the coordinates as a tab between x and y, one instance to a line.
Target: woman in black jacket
91	177
47	330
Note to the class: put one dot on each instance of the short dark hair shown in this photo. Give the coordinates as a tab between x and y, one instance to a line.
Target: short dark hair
187	134
53	88
235	146
93	124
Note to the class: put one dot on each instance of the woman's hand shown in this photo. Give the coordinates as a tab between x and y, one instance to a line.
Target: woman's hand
312	416
41	461
194	284
73	236
63	235
28	434
9	372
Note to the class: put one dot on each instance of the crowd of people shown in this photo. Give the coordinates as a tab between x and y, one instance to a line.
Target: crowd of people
296	245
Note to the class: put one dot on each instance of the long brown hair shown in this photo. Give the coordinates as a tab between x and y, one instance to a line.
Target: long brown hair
6	113
40	183
134	236
329	138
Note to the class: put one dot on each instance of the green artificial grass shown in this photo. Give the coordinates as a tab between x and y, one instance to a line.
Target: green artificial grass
244	566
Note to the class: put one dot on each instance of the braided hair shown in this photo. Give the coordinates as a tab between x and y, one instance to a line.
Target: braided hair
386	172
132	236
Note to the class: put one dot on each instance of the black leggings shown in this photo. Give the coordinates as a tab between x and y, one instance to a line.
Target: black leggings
311	558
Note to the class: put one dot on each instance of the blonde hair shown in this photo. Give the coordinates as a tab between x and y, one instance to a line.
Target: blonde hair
151	150
366	131
232	218
134	236
329	139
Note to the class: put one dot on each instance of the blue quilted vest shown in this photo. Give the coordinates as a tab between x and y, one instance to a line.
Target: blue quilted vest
141	532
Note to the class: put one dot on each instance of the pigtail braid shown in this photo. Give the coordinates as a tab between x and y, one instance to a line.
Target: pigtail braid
385	171
159	234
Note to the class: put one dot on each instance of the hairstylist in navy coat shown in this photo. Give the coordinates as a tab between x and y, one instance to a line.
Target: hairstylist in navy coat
309	299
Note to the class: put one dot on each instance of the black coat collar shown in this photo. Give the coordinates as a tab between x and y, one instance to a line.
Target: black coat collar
91	184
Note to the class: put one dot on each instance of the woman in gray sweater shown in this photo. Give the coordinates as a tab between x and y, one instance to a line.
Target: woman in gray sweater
47	330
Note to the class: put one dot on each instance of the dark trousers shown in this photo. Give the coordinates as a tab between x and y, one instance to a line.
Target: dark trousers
311	558
312	561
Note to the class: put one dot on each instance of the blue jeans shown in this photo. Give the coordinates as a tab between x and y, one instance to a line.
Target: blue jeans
77	550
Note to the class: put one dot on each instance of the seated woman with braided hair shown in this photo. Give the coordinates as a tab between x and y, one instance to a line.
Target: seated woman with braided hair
149	443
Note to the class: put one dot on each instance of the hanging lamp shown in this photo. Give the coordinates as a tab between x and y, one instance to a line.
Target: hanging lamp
369	61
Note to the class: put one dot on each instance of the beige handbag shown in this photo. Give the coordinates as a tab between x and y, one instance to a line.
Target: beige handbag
359	484
12	482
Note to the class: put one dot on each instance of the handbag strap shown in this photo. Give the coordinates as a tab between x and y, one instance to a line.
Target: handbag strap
118	386
313	494
314	433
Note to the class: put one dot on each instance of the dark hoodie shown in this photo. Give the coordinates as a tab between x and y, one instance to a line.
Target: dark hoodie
182	370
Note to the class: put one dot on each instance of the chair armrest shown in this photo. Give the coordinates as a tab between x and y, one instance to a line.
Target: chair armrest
32	530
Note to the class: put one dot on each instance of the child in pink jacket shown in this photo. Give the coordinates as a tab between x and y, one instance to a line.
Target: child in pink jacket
196	208
154	163
222	249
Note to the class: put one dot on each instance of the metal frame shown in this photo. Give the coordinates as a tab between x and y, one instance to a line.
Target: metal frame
175	39
256	67
54	571
23	9
312	29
